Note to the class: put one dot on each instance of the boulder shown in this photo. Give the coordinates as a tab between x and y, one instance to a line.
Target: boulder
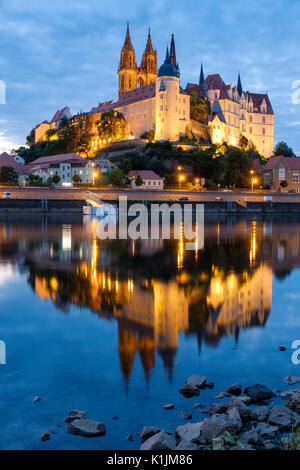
75	414
160	441
260	413
189	390
190	432
250	437
45	436
235	389
187	445
198	381
293	403
292	380
218	425
186	414
86	428
265	430
284	418
129	437
169	406
218	408
147	432
234	414
244	410
259	393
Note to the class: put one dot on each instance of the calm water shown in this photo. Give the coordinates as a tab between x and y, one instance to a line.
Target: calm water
116	327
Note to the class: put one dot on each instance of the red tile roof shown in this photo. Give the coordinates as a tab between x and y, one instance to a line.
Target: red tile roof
257	99
61	158
144	174
8	160
273	162
138	94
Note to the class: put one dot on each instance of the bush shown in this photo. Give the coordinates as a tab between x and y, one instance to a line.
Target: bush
284	184
76	178
55	179
117	178
267	187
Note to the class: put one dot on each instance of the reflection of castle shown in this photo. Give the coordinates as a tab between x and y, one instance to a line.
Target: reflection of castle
234	304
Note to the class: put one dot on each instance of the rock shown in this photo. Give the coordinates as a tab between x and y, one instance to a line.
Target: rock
198	405
250	437
270	445
186	414
245	399
218	408
260	413
130	437
198	381
293	403
189	390
235	389
210	385
292	380
36	399
234	414
45	436
242	447
218	425
160	441
86	428
190	432
169	406
282	348
284	418
244	410
265	430
148	431
75	414
115	418
186	445
259	393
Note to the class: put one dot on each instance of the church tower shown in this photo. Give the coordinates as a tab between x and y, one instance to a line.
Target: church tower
167	99
128	70
148	69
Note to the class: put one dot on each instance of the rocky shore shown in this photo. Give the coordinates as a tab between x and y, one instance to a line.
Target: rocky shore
243	419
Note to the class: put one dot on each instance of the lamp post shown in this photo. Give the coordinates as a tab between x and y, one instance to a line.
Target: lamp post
181	178
252	171
197	182
94	176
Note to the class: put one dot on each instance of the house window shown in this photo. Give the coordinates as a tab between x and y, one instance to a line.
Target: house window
295	178
149	183
154	182
216	95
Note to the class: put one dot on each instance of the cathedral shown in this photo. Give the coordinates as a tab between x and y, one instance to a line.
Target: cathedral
152	99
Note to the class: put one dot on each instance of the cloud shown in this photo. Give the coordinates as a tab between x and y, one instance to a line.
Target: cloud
53	54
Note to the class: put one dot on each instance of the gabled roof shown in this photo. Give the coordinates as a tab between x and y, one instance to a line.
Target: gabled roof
138	94
257	99
144	174
61	158
57	116
8	160
107	106
292	162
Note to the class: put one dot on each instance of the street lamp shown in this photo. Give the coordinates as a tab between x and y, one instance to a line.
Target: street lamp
181	178
197	182
252	180
94	176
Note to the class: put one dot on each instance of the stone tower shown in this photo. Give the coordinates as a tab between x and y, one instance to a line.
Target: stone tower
167	98
128	70
148	69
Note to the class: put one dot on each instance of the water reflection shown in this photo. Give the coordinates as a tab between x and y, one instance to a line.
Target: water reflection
154	289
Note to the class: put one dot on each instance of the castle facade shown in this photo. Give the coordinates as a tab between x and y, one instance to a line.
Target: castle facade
152	98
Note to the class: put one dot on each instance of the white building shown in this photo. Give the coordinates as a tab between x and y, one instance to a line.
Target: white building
150	179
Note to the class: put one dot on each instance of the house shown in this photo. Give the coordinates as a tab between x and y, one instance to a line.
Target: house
280	168
150	179
64	165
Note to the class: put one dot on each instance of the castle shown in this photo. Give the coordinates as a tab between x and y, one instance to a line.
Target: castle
151	99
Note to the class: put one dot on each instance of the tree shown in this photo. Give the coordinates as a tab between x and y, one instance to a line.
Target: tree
76	178
198	107
8	175
244	142
56	179
125	166
283	149
148	135
34	180
83	134
117	177
139	181
284	184
30	139
237	168
112	126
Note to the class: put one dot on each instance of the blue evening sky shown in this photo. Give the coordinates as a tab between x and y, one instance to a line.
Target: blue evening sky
55	54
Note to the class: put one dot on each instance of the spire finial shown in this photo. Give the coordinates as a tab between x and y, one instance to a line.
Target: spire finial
201	78
239	85
172	51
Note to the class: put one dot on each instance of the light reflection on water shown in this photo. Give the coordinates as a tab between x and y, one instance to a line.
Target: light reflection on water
171	311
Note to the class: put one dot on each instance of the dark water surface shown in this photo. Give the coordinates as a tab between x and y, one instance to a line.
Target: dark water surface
115	327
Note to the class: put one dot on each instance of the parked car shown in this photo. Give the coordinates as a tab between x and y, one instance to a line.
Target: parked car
183	198
218	199
6	195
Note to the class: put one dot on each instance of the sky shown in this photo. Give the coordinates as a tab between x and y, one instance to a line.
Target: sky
56	54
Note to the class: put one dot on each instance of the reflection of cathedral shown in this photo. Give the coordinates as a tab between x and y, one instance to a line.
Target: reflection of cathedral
156	292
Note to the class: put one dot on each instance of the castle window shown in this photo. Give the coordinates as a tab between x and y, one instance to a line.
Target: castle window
184	100
250	119
264	120
184	111
161	96
216	95
179	100
263	131
250	130
161	108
